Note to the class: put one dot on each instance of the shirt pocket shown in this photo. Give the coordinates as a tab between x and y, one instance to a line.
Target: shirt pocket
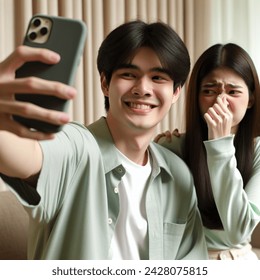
172	236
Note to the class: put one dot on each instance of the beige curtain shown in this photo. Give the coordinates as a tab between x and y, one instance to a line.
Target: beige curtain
194	21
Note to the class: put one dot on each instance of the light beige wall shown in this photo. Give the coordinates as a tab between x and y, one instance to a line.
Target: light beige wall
2	186
199	22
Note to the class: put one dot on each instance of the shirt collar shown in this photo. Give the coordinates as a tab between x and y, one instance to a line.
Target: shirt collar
159	159
100	131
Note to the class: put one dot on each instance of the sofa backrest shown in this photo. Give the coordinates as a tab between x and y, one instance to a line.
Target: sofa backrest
256	237
13	228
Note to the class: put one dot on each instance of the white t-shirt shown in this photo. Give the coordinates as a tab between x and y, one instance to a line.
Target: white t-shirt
130	240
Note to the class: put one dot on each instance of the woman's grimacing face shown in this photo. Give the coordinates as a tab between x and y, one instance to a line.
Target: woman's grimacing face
228	85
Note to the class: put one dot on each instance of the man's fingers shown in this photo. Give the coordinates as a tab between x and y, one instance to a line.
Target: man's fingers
24	54
25	132
29	110
32	85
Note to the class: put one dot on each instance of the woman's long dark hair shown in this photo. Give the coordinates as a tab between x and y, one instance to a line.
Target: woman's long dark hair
237	59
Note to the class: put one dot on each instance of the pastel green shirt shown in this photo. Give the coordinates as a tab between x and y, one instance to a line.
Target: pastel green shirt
239	208
78	206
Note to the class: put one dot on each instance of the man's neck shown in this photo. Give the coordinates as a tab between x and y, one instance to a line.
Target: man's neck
133	144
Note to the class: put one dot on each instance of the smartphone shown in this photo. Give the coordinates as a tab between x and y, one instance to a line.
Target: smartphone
66	37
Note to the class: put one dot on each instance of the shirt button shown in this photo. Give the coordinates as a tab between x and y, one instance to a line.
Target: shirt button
116	190
109	221
120	169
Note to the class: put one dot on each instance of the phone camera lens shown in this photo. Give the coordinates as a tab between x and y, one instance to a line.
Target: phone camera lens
32	36
37	22
44	31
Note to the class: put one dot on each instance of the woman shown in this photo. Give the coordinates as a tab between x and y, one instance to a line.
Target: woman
221	148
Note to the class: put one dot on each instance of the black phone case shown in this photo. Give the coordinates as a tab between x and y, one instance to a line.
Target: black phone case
67	38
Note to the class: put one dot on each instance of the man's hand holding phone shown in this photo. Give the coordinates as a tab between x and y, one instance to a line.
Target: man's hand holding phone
11	86
36	79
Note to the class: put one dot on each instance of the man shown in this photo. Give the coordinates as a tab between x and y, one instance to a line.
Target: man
105	191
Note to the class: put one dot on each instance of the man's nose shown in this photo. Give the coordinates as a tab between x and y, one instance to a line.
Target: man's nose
142	87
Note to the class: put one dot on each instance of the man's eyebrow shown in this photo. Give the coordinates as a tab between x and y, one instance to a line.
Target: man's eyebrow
135	67
127	65
162	70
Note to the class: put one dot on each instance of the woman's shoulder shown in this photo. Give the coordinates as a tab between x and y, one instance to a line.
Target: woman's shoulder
175	143
257	145
257	140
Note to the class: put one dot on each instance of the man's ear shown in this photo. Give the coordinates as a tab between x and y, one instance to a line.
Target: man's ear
176	94
104	85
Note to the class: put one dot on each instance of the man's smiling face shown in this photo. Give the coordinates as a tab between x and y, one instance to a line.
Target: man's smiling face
140	93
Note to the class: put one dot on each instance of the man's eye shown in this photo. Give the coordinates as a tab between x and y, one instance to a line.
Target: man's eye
158	78
127	75
161	78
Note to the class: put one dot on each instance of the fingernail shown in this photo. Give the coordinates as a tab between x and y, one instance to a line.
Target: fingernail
55	57
71	92
64	118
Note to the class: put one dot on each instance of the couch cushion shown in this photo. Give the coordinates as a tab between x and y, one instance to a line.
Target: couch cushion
13	228
256	237
255	242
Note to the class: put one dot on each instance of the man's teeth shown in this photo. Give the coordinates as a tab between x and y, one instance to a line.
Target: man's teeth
139	106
